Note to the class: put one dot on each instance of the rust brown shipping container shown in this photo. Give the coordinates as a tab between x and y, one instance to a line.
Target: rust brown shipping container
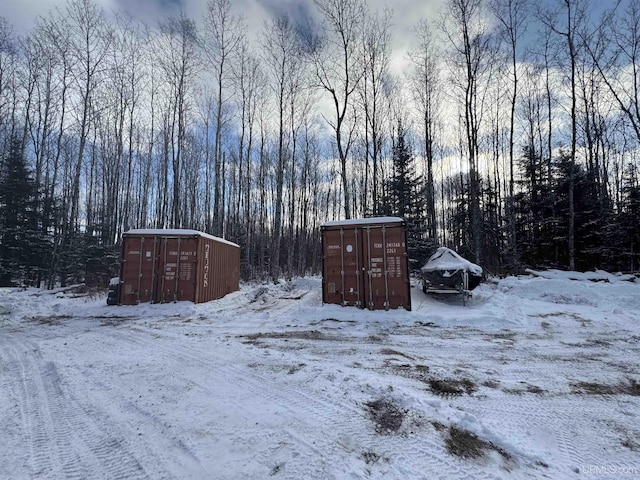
365	263
160	266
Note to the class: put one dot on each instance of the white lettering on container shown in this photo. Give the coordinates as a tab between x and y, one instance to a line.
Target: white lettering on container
205	280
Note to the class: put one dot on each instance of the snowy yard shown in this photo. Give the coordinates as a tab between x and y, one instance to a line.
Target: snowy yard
534	378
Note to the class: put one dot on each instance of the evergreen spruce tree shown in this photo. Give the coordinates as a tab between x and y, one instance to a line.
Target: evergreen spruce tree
624	242
589	224
405	197
493	234
458	218
23	247
535	213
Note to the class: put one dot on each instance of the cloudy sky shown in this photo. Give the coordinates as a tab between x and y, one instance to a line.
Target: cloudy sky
23	14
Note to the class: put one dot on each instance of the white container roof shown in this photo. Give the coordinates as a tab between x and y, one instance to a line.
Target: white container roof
363	221
176	232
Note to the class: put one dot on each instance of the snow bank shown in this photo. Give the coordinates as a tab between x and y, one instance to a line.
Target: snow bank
596	276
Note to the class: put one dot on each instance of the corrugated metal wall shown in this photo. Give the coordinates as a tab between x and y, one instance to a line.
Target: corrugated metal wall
218	270
162	267
365	264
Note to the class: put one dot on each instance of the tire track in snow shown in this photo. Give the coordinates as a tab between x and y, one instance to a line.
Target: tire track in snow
568	423
36	391
63	440
332	430
314	461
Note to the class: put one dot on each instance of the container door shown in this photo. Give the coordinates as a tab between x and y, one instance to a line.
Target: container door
386	282
149	269
342	267
177	269
138	270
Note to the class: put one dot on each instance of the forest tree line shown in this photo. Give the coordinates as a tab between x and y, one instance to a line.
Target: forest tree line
510	134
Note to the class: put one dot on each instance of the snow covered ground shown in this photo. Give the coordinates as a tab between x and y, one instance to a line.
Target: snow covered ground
534	378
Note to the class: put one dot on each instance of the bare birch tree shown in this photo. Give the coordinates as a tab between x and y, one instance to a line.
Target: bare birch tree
338	69
91	39
248	80
222	38
373	88
426	91
282	58
620	66
466	29
179	61
512	17
8	64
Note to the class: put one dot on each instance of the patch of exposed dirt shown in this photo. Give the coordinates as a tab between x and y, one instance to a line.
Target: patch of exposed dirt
48	319
276	469
527	388
491	383
593	388
465	444
112	321
389	351
588	343
535	389
503	335
333	320
630	444
426	324
538	336
370	457
293	296
375	339
583	321
623	367
405	369
451	386
439	426
386	416
629	435
296	368
548	315
628	387
295	334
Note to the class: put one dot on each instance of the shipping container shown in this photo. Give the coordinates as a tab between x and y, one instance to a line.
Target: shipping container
365	263
160	266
